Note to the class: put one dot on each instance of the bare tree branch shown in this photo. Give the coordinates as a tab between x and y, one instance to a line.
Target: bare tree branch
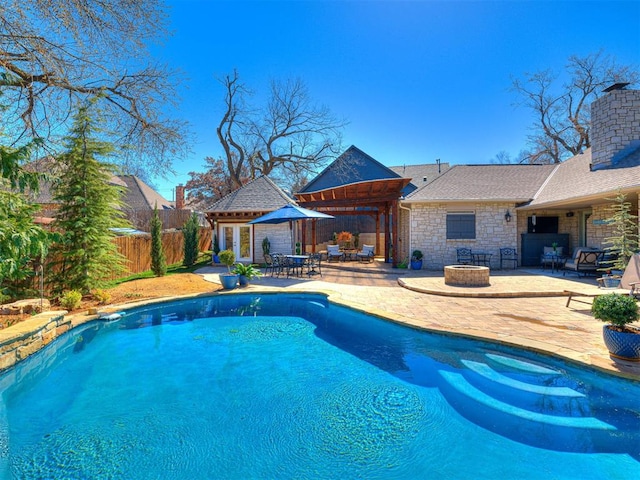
562	114
290	138
57	53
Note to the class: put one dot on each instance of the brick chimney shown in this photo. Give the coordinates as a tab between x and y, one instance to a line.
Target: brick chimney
180	197
615	125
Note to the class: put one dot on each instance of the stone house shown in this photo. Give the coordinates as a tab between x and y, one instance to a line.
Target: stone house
468	205
437	208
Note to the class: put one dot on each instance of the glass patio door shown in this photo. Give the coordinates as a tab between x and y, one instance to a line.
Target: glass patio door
237	237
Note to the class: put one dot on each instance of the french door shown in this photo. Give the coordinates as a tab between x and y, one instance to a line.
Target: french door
237	238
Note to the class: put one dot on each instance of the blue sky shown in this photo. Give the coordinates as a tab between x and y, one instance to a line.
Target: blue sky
416	80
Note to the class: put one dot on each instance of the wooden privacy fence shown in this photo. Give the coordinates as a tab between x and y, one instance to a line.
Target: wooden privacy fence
137	249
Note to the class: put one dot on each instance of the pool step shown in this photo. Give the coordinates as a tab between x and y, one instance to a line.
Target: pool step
460	384
521	365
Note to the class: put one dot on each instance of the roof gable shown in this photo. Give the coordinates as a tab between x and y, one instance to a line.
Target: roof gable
260	194
353	166
140	196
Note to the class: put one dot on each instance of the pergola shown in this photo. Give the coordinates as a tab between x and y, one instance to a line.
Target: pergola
373	198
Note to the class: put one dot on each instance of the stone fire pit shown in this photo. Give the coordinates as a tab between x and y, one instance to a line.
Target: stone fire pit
466	275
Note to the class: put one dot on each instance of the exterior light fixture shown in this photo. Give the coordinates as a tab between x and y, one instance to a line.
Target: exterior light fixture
507	216
533	219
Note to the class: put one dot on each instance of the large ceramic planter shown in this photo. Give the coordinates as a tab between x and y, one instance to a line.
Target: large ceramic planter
416	264
216	259
625	346
228	280
243	281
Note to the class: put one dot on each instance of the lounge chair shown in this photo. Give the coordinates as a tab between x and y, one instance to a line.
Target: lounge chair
585	261
334	253
366	253
631	276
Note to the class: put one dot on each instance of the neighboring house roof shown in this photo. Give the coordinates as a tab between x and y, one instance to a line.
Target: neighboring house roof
353	166
260	194
483	183
419	174
140	196
49	166
573	180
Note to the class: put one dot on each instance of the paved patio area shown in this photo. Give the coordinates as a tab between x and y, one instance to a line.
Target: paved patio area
521	307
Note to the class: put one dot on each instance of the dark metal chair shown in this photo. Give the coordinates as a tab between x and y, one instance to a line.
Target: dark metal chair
464	256
314	264
508	256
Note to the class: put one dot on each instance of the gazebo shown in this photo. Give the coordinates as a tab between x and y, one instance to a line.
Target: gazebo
357	184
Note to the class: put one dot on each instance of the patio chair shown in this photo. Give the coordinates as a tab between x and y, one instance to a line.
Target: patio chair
464	256
584	261
508	256
334	253
314	264
366	253
278	263
631	276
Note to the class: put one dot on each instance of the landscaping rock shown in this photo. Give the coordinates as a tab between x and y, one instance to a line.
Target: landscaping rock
29	305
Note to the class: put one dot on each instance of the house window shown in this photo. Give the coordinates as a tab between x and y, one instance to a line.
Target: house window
461	225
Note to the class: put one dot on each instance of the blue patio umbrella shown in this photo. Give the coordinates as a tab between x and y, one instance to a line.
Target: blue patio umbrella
290	213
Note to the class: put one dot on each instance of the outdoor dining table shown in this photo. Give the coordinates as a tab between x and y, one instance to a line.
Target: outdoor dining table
296	262
482	258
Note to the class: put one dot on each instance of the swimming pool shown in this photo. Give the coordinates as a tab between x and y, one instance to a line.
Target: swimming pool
292	386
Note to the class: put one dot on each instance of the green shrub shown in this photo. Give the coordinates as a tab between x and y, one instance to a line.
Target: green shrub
228	258
102	296
70	300
616	309
417	255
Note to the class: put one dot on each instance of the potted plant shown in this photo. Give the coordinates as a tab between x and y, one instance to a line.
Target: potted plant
416	260
621	339
246	273
266	246
216	249
228	280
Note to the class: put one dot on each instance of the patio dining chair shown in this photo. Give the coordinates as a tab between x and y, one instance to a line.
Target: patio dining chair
508	256
314	264
464	256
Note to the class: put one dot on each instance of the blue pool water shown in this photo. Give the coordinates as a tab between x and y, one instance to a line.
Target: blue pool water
290	386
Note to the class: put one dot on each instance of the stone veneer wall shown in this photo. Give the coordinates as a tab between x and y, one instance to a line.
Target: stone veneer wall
615	123
429	231
26	338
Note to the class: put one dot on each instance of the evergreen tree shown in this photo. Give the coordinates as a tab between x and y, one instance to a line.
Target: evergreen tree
190	231
21	240
158	259
89	208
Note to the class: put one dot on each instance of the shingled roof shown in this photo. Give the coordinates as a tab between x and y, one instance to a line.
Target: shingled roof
484	183
420	175
574	180
353	166
140	196
260	194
